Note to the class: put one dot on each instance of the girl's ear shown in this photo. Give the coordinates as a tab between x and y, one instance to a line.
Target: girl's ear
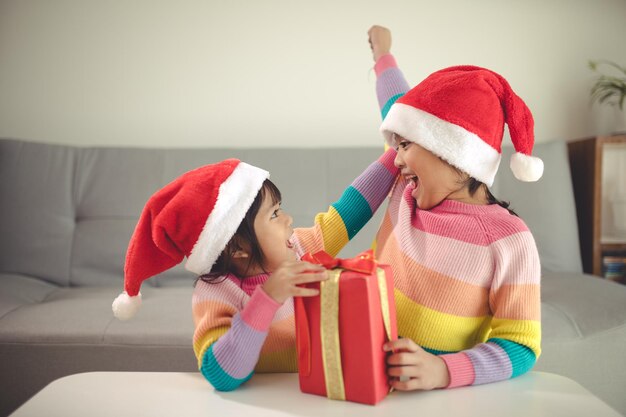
238	248
240	253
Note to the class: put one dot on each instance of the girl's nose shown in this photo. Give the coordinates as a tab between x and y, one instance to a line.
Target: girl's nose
398	161
289	220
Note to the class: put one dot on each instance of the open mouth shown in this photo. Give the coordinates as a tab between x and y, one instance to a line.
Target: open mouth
290	244
413	180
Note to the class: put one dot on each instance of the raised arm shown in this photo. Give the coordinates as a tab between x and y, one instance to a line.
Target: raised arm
334	228
345	217
390	82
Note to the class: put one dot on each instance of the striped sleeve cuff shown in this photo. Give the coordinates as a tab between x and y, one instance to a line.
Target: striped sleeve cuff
220	379
390	83
460	369
383	63
260	310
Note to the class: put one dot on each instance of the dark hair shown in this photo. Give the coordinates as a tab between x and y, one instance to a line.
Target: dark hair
245	233
474	185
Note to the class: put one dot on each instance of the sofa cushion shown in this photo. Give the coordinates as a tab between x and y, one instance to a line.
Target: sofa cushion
48	331
40	313
584	333
37	211
578	306
17	291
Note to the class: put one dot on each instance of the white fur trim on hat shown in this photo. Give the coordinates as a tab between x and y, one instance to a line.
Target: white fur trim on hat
235	197
526	167
458	146
125	307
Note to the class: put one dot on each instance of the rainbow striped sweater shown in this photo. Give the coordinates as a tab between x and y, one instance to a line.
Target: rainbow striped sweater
466	276
239	329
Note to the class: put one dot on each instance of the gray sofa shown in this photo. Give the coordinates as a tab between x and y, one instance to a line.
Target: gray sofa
67	213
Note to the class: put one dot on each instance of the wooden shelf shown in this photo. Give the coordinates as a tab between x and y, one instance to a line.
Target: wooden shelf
585	157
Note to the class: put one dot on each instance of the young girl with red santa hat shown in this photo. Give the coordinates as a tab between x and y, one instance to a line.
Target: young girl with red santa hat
227	221
466	269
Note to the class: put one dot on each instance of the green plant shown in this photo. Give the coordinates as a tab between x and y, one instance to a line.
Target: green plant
609	88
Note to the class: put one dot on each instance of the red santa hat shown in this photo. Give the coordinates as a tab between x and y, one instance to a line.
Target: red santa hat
458	113
194	216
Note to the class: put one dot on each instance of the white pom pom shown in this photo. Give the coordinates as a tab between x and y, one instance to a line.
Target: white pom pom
125	307
525	167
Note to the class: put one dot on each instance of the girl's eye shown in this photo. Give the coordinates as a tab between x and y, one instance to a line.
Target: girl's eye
404	144
275	213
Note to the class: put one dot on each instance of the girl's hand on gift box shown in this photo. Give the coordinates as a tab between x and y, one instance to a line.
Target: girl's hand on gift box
284	282
412	368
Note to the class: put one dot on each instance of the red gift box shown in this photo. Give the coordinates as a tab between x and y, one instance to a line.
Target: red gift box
340	333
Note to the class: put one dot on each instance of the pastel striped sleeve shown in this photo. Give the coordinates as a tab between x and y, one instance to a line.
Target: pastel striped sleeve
514	342
390	83
228	342
356	206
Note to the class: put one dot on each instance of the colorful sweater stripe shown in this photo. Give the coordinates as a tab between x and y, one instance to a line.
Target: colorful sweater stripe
390	85
239	329
467	276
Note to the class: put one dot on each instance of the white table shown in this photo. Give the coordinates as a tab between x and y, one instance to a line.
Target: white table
188	394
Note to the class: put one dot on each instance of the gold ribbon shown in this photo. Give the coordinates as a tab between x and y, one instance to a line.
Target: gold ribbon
331	349
384	301
329	329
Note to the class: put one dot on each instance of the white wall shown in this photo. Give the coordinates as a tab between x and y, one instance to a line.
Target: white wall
284	72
